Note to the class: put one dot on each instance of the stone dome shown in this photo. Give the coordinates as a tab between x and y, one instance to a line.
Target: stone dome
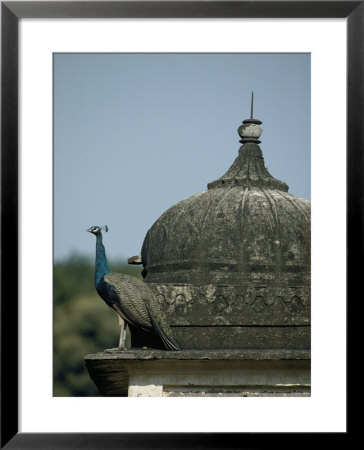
245	227
230	266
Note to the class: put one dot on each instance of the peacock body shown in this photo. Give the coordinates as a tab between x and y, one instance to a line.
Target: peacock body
130	297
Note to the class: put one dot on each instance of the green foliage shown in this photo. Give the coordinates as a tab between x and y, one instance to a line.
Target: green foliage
82	324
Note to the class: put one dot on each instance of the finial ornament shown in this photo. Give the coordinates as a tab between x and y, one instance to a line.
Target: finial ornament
251	130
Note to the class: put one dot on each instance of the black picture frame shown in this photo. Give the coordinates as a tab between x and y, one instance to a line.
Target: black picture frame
11	12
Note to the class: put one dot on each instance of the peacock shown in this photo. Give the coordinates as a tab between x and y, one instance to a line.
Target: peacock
132	300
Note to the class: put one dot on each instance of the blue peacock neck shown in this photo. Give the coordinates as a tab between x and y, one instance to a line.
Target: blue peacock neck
101	266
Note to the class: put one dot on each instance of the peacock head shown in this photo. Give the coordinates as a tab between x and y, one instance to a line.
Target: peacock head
97	230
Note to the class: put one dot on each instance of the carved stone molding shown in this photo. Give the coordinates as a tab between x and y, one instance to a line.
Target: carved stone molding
239	304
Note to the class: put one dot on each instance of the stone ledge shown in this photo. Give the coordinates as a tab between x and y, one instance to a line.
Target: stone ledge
229	354
157	373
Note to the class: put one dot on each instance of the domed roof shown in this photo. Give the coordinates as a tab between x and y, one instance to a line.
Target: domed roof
244	224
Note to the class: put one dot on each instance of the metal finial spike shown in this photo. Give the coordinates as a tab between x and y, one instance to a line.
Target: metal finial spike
252	105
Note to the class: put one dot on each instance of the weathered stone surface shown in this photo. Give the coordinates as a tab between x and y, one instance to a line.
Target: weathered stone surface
251	231
243	337
237	391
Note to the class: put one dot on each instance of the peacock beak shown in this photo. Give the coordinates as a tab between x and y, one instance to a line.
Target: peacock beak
89	230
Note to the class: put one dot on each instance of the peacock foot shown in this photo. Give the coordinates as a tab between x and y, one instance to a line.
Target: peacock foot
113	350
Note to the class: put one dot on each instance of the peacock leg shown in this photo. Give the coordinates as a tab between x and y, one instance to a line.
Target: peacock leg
122	334
121	346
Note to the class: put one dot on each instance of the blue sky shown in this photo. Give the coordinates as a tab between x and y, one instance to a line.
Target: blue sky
136	133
